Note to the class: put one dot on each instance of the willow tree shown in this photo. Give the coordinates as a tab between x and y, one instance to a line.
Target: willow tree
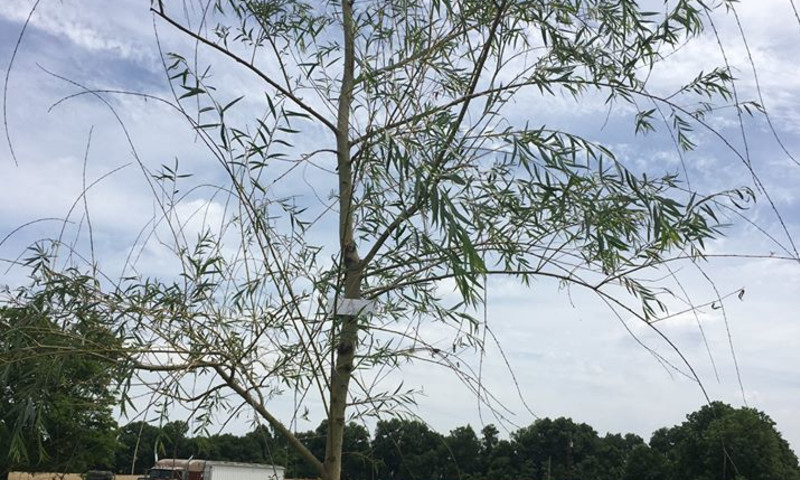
426	122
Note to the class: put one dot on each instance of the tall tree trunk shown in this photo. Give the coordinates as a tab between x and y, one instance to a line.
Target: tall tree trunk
350	261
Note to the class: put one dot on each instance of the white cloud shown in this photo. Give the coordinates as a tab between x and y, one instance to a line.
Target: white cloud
86	26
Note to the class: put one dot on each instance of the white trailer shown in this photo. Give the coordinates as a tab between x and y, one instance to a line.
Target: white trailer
192	469
242	471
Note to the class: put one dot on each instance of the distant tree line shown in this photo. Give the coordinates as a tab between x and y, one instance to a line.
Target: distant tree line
718	442
56	415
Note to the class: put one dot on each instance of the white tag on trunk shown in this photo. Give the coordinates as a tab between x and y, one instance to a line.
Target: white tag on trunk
351	306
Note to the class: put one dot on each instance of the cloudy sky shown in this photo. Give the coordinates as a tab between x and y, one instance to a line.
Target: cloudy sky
569	355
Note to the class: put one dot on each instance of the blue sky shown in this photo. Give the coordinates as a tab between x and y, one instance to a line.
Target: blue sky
571	357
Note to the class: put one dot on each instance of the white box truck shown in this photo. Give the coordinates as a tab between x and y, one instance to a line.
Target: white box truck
192	469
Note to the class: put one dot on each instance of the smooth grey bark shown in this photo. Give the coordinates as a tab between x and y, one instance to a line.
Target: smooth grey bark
350	261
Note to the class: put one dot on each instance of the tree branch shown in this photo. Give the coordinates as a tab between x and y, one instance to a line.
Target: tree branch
300	103
276	424
438	162
414	57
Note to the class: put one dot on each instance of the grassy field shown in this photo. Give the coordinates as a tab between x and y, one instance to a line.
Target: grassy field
58	476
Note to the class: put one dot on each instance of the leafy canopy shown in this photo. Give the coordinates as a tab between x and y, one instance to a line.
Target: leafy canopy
55	403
